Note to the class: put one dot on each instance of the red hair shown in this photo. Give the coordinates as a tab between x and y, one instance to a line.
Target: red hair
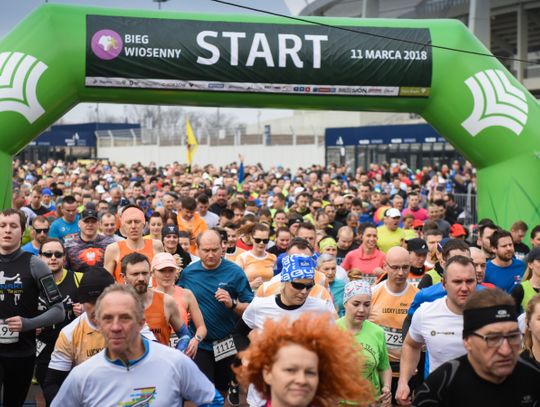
340	366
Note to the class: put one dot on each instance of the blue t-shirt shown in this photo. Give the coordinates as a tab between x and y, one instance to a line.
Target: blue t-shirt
219	320
62	230
29	248
506	278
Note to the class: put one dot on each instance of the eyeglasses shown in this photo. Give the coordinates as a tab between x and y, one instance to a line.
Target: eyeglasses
302	286
38	231
55	254
259	240
397	267
494	341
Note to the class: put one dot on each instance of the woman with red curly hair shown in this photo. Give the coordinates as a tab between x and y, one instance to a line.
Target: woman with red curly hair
309	362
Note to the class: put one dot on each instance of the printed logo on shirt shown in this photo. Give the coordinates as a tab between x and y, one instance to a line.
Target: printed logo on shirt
141	396
435	333
11	285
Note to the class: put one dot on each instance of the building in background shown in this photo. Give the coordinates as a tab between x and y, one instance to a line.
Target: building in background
69	141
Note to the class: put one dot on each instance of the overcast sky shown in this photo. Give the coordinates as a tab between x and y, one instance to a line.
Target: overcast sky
13	11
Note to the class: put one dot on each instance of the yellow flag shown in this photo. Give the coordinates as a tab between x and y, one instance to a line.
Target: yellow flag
192	143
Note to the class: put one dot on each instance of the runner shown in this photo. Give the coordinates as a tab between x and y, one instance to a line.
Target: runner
24	277
131	368
165	273
87	249
52	252
257	263
132	220
389	304
438	325
223	293
367	261
160	310
491	367
370	337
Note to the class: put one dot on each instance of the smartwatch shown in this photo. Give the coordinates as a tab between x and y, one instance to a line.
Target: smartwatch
234	303
199	338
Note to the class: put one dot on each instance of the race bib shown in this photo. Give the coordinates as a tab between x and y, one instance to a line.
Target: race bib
394	337
7	336
39	347
224	348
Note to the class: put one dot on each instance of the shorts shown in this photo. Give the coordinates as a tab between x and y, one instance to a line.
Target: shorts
219	373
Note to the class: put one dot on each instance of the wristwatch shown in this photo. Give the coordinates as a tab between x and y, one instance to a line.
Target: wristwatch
199	338
234	303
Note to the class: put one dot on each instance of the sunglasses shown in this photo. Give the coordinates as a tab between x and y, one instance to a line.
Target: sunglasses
48	255
258	240
46	230
302	286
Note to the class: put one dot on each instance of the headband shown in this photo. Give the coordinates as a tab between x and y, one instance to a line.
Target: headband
297	267
134	212
327	242
476	318
354	288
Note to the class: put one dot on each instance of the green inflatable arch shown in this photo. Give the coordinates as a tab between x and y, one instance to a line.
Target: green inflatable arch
60	56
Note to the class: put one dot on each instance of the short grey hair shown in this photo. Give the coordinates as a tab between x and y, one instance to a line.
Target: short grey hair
324	258
123	289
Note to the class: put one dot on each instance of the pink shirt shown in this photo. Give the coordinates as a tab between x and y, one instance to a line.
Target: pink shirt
357	259
419	214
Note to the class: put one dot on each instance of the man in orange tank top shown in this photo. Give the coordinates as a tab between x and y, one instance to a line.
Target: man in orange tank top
160	310
132	223
390	302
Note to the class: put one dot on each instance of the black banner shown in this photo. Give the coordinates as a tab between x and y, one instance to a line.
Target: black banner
248	57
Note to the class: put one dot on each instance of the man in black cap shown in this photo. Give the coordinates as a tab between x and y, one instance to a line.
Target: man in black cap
491	373
418	251
79	340
87	249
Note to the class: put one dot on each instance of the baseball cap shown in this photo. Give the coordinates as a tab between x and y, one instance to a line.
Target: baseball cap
417	246
47	192
89	214
457	230
169	230
440	245
392	213
533	255
93	282
294	220
163	260
417	223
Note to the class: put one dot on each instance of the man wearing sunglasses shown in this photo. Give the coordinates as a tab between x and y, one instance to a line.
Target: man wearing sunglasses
52	252
39	233
492	367
87	249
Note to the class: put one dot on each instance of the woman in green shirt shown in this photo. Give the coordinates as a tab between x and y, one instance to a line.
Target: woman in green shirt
357	303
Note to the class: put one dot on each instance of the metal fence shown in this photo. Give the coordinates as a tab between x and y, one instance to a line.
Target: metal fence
468	204
138	137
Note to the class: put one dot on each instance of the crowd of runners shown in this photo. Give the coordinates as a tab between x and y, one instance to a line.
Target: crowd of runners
243	285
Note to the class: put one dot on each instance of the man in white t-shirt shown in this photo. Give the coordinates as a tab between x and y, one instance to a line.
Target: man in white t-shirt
132	370
438	325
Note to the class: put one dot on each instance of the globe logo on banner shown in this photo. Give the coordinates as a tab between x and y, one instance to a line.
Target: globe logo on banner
19	76
496	103
107	44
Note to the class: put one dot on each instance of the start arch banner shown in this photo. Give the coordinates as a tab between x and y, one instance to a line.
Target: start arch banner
62	55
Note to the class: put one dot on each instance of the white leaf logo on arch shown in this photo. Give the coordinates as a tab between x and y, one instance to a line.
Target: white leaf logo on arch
19	75
496	103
